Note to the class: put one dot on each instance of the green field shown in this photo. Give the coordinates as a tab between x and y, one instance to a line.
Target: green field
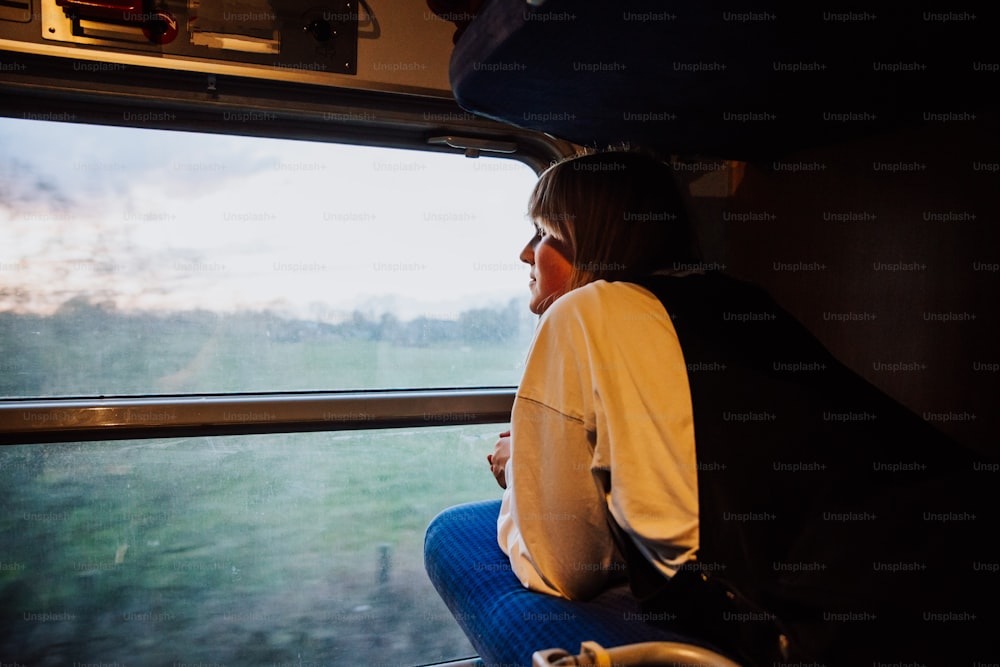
87	350
258	550
297	549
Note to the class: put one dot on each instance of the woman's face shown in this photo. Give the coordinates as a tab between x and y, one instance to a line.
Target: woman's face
551	268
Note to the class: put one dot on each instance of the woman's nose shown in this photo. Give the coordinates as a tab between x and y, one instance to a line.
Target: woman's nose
528	253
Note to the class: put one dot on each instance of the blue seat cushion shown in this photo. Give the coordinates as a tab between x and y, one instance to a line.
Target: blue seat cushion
506	622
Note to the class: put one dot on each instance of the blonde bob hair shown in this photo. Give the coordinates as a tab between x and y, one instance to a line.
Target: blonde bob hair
618	212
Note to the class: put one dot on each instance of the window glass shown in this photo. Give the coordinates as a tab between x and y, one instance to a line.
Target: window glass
139	261
301	549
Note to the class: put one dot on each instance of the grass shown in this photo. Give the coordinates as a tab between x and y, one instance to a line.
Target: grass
84	350
257	550
288	549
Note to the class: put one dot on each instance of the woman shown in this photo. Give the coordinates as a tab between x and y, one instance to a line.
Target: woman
604	385
604	390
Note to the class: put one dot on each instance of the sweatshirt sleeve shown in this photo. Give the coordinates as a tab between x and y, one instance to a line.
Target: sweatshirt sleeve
553	524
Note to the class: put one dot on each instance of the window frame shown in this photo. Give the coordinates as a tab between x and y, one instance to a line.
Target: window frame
48	88
52	420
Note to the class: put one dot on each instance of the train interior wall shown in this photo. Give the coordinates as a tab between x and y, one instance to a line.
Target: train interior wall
886	248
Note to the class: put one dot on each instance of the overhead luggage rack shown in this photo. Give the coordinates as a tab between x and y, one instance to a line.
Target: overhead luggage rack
697	78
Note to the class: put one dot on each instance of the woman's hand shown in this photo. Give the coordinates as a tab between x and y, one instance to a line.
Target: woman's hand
498	459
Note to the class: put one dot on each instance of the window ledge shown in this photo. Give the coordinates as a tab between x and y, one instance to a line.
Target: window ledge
24	421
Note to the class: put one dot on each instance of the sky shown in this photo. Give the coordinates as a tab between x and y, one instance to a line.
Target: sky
153	219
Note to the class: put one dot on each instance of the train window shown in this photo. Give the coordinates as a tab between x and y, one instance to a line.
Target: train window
281	549
140	261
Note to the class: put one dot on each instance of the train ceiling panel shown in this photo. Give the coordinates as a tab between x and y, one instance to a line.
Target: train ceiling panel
398	46
280	33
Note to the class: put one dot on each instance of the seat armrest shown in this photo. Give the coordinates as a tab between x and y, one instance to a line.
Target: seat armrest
644	654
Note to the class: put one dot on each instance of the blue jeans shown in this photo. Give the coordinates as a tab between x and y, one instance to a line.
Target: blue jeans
506	622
